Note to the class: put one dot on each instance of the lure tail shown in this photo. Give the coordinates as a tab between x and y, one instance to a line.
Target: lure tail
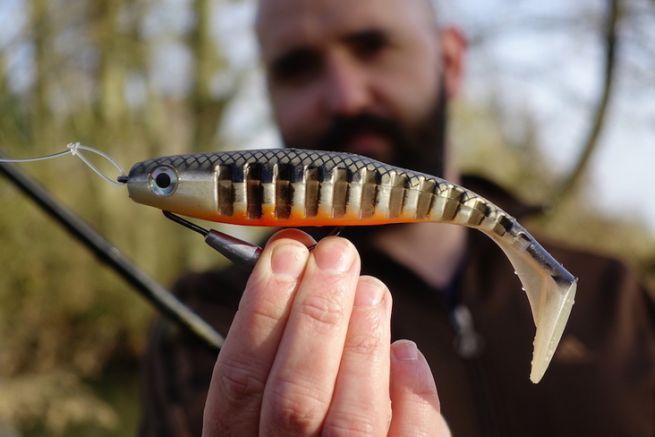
551	298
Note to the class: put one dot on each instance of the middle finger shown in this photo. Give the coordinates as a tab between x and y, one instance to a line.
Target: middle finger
237	387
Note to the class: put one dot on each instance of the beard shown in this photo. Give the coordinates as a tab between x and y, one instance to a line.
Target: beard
420	147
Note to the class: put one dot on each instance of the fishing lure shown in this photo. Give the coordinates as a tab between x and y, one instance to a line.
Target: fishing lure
289	187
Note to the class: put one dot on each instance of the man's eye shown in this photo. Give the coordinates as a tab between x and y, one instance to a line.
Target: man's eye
368	44
298	66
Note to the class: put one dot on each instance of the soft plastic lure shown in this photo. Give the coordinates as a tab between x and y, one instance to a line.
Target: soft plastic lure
290	187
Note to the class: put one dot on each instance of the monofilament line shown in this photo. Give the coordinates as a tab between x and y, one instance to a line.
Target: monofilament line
75	150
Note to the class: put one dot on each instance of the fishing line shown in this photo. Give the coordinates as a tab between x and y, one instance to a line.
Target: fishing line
75	149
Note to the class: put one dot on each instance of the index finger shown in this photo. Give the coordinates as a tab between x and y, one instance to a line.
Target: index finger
235	392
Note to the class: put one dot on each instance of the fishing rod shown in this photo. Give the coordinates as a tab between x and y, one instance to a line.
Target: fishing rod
108	254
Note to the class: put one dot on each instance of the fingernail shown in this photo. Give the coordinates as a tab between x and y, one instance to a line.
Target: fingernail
334	255
288	259
405	350
369	292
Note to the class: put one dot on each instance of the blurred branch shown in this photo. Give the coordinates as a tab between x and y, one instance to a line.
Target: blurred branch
111	105
206	107
4	80
41	37
569	183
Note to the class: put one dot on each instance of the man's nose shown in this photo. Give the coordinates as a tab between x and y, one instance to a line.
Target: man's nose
346	86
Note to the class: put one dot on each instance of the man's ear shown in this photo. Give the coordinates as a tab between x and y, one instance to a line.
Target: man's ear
453	49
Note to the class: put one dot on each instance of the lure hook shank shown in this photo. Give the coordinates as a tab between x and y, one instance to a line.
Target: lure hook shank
238	251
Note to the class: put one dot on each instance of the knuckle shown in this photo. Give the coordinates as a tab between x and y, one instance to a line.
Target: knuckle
366	334
264	314
325	309
296	408
351	424
429	396
363	344
270	295
268	307
226	426
239	381
424	400
256	281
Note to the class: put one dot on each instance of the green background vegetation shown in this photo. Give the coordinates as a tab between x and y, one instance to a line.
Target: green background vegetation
71	332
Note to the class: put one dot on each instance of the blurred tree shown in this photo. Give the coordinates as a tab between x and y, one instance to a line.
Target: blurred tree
110	45
41	40
206	105
70	331
570	181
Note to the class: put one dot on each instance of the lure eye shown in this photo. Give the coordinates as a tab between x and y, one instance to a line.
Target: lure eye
163	181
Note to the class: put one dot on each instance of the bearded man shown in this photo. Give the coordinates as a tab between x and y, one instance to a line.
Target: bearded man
310	348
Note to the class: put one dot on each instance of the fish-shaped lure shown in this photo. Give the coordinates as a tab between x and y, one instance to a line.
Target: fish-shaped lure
293	187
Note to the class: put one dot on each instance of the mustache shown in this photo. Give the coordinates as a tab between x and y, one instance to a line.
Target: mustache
344	129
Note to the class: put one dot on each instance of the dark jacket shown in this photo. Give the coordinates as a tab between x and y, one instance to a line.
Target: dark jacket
600	382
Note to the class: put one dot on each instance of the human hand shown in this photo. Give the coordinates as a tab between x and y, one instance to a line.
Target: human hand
309	352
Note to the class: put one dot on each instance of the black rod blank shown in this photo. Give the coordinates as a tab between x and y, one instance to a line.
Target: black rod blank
107	253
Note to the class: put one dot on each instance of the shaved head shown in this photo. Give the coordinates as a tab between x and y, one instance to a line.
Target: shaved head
425	10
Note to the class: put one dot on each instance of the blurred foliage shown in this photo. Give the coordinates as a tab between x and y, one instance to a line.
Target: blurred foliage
88	73
60	400
99	72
